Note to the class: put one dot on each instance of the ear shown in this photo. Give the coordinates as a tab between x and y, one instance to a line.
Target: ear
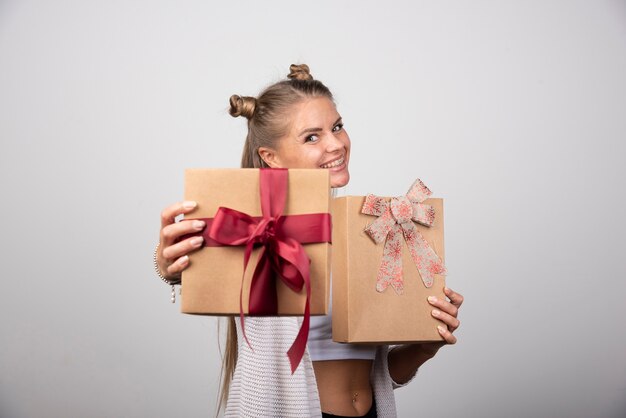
269	156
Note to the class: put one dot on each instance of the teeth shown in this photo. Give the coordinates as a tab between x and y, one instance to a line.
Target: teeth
334	163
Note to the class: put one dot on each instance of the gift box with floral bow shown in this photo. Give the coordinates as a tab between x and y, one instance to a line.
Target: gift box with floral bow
387	259
266	245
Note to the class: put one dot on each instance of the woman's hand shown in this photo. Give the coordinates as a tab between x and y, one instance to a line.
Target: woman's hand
447	312
406	359
172	256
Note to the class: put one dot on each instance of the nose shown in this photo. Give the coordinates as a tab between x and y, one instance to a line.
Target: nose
333	143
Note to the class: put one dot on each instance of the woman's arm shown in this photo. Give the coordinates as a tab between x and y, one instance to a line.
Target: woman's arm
404	360
172	256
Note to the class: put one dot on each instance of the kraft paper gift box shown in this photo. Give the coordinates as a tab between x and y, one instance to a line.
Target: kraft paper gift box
394	310
212	283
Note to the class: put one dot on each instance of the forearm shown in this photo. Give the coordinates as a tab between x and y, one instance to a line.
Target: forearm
405	360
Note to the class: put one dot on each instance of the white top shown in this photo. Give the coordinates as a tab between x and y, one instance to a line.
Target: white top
322	347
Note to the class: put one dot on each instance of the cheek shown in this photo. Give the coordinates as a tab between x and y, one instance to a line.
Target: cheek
314	157
347	143
305	158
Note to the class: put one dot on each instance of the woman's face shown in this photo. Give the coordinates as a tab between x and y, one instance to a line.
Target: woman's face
315	139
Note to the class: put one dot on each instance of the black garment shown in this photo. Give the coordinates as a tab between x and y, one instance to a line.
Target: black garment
370	414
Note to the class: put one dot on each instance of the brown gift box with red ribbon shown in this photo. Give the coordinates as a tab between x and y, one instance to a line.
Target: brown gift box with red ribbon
214	280
379	296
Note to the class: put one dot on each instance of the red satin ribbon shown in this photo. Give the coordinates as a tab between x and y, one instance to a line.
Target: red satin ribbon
281	238
306	228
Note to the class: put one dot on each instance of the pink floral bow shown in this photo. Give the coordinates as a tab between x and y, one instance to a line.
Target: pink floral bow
395	219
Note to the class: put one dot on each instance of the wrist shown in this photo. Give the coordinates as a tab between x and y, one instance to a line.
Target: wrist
169	281
425	351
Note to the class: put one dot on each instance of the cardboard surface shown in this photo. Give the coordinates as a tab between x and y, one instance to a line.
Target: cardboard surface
211	283
360	313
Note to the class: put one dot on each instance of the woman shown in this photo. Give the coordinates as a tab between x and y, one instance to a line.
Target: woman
295	124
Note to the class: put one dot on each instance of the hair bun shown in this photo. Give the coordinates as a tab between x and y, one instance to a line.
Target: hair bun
299	72
242	106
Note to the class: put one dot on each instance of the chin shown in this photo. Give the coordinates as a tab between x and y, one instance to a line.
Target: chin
339	180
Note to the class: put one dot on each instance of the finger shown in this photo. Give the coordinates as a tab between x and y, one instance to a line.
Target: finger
455	298
182	248
171	233
447	335
174	269
443	305
169	214
452	322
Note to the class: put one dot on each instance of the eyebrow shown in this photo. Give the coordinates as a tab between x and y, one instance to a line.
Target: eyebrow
312	130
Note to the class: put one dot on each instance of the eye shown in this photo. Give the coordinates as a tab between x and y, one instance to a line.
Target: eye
311	138
338	127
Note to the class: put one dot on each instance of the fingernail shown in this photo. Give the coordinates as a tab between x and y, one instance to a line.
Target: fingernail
184	259
436	312
441	329
198	224
432	299
196	241
189	204
446	290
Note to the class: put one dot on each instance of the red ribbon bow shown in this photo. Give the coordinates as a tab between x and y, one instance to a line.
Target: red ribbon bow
394	220
280	238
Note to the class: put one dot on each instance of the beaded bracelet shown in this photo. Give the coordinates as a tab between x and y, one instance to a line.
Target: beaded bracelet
158	272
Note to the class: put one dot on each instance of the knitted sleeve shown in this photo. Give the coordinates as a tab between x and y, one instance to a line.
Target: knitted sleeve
382	385
263	385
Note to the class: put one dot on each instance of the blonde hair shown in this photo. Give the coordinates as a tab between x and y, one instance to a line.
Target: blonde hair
268	114
268	121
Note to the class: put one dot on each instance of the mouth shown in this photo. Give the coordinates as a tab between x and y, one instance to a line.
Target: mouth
334	163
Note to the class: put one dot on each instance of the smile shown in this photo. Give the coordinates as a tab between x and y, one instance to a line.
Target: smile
335	163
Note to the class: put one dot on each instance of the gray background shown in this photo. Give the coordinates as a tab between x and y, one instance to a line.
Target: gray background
513	111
